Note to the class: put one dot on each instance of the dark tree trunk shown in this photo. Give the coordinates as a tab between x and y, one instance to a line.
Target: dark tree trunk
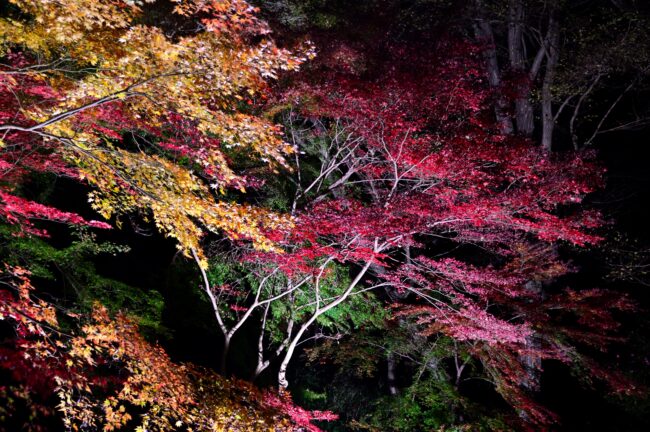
552	56
484	33
516	52
223	364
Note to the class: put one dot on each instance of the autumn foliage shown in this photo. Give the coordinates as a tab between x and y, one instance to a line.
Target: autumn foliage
361	190
421	192
118	80
145	119
105	376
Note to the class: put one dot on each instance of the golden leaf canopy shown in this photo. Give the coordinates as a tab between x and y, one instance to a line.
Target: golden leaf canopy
112	72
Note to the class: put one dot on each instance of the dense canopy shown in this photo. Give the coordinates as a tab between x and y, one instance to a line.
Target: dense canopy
283	215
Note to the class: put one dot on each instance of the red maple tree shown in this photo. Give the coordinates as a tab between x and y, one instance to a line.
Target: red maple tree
419	192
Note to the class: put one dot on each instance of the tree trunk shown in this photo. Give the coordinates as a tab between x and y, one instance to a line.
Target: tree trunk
484	34
523	106
533	363
262	363
390	374
261	367
283	383
223	367
552	56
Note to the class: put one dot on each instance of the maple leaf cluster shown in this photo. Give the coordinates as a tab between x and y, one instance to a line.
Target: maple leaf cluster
106	376
121	85
146	119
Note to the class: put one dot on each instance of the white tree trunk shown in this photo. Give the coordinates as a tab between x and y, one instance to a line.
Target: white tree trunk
283	383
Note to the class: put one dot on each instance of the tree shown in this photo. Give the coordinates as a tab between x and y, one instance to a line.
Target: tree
414	191
147	120
420	192
557	56
106	376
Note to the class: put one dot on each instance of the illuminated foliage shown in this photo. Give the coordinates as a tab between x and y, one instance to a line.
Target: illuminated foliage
95	74
415	219
418	191
107	377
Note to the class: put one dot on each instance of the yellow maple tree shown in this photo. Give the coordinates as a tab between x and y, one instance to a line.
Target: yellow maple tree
108	58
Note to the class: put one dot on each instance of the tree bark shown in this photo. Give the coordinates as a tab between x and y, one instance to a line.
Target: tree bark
390	374
484	33
223	367
552	57
282	373
523	106
263	363
533	363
